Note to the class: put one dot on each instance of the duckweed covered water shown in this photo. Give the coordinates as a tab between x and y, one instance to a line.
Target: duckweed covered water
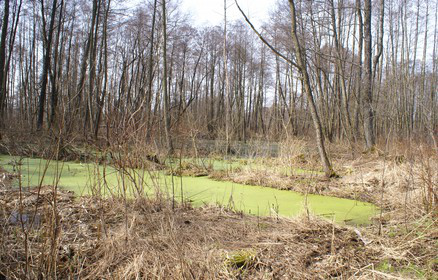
83	178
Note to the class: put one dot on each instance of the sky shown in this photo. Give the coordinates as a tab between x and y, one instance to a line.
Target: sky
211	12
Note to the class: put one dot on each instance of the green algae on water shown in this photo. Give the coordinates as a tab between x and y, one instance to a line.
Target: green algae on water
88	178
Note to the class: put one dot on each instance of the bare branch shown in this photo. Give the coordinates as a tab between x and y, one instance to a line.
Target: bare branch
264	40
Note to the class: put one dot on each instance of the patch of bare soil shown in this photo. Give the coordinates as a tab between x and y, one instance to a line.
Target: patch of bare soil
47	233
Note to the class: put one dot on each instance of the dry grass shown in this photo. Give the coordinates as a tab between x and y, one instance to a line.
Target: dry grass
28	144
47	233
94	240
391	181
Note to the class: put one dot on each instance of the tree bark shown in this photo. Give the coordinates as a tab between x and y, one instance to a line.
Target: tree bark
302	63
47	58
54	72
370	139
227	86
164	85
3	60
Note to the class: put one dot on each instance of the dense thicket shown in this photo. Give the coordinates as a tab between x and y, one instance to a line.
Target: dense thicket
95	69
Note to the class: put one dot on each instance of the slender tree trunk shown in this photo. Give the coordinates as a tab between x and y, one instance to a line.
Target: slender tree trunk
83	68
227	86
302	64
359	69
47	58
3	60
92	74
211	122
149	118
100	98
54	72
165	92
370	139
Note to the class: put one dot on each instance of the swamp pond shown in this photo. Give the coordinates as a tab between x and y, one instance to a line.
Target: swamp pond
86	178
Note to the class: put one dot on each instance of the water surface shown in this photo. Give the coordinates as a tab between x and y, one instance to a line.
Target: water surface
83	179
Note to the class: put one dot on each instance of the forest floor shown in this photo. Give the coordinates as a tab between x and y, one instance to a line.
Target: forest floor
48	233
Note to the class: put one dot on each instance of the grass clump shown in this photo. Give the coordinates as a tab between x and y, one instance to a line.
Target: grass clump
241	259
410	270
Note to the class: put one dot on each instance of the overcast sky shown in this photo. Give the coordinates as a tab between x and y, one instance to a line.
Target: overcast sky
211	12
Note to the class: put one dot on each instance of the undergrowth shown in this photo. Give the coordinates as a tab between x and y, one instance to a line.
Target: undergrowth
48	233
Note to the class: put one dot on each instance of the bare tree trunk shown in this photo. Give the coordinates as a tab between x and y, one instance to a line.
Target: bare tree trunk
150	118
47	58
359	72
211	122
165	92
227	86
54	72
100	98
3	60
370	138
84	64
88	121
302	63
